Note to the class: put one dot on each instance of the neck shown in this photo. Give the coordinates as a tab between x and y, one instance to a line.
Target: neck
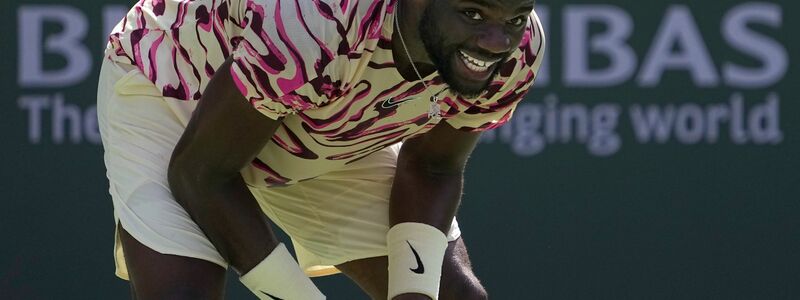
408	19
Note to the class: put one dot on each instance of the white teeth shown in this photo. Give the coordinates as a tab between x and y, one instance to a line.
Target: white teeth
475	64
472	66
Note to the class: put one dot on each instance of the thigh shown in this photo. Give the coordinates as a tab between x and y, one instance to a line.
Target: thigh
162	276
457	282
340	216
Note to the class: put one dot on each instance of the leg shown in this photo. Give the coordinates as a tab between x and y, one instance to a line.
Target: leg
140	129
161	276
458	281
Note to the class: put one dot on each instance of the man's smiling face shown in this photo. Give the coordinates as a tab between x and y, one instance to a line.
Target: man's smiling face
468	39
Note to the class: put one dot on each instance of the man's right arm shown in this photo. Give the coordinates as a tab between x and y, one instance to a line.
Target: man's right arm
224	134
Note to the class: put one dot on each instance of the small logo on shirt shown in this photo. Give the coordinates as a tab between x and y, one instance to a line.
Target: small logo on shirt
420	267
391	102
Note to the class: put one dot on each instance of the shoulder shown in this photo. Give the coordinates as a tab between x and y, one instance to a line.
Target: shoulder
360	22
340	26
533	44
522	66
530	53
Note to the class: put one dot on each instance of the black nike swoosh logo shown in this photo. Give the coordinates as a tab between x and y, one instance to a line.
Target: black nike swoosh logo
420	267
271	296
389	103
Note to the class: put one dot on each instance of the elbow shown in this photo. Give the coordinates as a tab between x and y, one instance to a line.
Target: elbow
179	180
191	180
443	170
434	167
187	178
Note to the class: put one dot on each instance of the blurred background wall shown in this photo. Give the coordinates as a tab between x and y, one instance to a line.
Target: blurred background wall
656	157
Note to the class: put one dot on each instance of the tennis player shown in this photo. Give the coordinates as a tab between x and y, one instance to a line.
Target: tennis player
347	123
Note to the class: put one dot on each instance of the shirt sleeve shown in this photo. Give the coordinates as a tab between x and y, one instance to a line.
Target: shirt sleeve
284	60
515	79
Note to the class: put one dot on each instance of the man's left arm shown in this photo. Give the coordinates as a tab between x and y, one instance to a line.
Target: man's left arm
424	199
429	177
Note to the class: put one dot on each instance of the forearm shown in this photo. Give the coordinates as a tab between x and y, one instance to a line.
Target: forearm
423	194
228	214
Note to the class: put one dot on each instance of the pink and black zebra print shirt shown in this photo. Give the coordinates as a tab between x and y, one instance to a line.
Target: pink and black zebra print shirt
326	66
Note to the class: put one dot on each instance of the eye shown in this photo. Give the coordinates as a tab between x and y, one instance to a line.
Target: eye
518	21
473	15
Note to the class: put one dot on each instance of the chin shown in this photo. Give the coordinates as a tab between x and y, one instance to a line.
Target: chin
464	82
467	89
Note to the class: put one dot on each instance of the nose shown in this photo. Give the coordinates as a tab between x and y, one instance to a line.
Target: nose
494	39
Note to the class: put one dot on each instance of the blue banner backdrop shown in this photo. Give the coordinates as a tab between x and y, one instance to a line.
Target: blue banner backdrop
656	158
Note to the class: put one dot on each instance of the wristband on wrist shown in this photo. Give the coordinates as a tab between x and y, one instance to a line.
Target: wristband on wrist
416	252
279	277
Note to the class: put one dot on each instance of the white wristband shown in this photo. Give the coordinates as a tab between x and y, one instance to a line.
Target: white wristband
279	277
416	252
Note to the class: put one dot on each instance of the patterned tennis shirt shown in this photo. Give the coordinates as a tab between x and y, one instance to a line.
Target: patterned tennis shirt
325	66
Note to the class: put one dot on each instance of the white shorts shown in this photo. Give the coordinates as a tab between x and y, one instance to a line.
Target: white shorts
334	218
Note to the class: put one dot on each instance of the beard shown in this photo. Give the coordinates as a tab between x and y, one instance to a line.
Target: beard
443	55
